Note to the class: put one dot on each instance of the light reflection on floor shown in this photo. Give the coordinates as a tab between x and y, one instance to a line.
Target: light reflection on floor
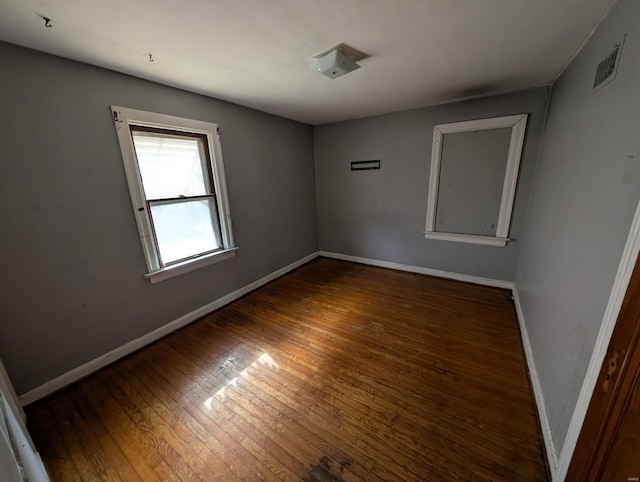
263	360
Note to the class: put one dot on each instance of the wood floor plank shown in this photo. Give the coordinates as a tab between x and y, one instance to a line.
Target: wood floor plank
200	458
413	369
244	363
201	392
242	393
46	432
103	453
398	351
178	455
350	420
352	382
80	448
336	372
109	450
207	428
128	468
323	392
125	431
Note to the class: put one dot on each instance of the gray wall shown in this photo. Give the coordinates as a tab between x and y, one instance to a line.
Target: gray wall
72	285
472	174
381	214
586	189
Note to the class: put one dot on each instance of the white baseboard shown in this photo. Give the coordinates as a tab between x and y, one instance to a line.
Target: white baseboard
552	455
124	350
496	283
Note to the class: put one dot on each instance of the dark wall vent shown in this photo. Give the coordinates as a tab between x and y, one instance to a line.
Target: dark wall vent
608	67
365	165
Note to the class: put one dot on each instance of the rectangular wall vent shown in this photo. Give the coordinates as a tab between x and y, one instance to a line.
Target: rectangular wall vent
608	67
365	165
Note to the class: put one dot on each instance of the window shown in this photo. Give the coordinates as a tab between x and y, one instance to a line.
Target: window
176	181
472	183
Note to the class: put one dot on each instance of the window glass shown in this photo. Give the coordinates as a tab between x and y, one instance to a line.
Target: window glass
184	229
175	174
170	166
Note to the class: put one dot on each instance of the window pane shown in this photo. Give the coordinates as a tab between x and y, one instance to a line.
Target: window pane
185	228
472	170
170	166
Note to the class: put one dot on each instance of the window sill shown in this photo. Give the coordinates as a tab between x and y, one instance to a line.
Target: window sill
467	238
189	265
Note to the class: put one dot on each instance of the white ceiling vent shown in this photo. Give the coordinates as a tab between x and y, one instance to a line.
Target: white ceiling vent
608	67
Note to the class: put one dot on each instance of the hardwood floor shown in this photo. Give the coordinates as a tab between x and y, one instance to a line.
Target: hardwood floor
335	372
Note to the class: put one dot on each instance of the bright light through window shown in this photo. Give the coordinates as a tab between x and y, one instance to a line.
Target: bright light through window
170	166
178	185
184	229
176	180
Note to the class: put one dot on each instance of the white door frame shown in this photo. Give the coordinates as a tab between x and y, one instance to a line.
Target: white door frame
16	438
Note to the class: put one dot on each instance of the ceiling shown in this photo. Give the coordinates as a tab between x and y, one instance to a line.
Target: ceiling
254	52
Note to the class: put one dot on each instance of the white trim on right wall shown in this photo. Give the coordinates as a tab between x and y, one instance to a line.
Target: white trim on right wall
536	386
618	291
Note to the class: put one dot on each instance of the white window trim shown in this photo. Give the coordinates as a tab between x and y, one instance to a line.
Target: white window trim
124	118
518	125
